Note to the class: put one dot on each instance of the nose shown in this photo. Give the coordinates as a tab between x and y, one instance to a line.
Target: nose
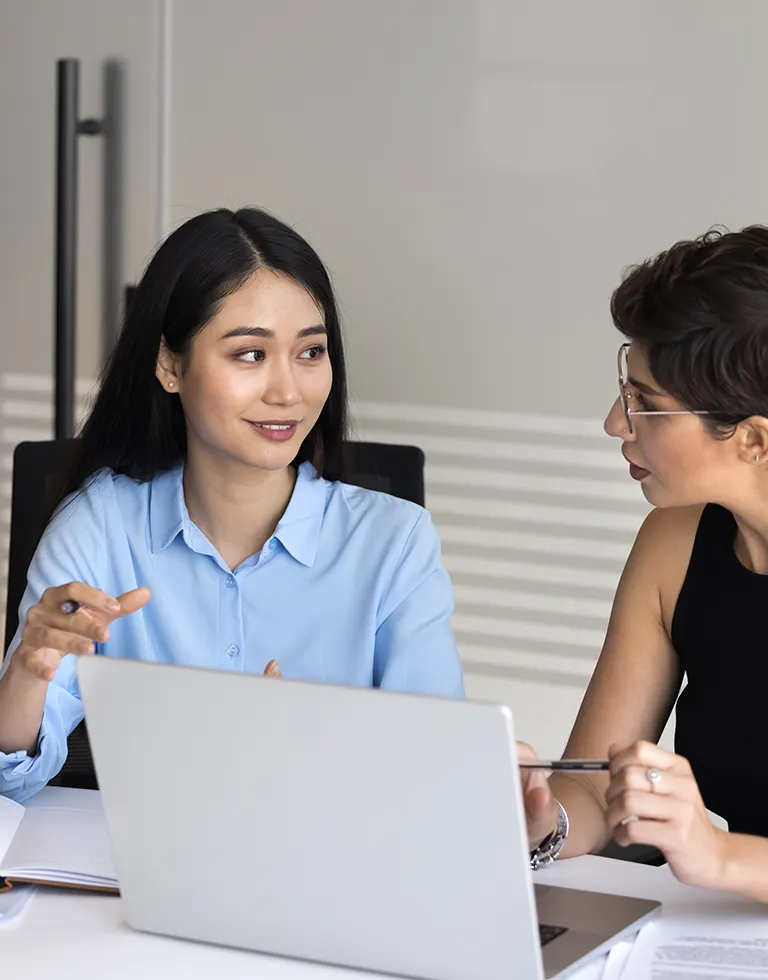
281	387
615	424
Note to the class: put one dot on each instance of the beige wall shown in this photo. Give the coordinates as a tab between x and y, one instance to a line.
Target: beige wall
102	35
475	173
33	35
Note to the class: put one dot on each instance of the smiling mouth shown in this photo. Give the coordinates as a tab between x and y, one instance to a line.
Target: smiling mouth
275	430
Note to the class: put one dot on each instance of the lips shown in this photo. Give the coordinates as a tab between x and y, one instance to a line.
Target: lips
637	472
276	423
276	430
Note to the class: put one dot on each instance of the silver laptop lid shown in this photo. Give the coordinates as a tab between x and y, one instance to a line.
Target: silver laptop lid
349	826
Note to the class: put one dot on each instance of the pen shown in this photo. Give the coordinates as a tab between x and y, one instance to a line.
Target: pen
572	765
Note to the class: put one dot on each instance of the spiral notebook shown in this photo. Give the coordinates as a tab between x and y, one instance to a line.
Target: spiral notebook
58	838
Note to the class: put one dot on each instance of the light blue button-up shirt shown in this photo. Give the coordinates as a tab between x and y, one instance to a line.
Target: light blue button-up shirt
350	589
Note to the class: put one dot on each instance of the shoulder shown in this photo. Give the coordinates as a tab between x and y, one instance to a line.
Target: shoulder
380	531
85	503
94	503
662	552
367	509
669	531
396	541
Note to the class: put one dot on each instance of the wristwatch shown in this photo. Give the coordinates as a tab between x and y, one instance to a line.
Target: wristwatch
552	844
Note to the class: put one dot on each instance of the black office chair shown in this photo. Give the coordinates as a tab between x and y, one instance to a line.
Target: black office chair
397	470
37	466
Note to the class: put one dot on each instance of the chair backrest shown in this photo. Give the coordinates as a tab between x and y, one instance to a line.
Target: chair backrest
36	467
398	470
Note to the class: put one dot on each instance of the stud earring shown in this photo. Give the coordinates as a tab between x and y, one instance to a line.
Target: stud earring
170	385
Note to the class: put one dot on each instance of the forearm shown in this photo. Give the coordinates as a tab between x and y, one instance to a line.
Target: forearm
745	866
585	806
22	700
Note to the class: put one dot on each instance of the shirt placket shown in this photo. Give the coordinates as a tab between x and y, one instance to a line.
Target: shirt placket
230	650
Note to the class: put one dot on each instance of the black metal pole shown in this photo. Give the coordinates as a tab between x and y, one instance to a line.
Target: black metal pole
68	128
67	83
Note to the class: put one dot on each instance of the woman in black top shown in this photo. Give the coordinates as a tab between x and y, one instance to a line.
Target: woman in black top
693	599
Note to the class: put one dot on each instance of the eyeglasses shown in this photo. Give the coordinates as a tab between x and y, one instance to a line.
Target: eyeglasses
624	395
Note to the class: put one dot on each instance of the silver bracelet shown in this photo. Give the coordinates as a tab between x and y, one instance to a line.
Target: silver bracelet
551	846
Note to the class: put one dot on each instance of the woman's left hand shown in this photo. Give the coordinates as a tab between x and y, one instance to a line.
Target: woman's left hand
653	799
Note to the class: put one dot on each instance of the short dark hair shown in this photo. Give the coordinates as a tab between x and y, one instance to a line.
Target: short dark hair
700	313
136	427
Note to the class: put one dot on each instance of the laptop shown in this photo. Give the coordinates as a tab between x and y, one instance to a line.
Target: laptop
348	826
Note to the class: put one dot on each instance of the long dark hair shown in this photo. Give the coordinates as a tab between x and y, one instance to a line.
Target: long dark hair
137	428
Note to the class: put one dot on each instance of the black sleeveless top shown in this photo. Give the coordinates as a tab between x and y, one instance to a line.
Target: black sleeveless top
720	633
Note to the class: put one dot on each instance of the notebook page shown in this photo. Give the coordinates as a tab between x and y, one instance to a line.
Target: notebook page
11	814
65	798
61	842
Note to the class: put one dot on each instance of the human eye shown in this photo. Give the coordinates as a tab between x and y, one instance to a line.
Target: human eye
643	404
638	402
313	353
250	356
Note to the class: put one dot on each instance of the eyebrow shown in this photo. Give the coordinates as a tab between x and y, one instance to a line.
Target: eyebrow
318	330
646	389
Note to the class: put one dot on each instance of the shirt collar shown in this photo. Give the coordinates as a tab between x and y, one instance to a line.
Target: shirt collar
298	531
299	528
167	510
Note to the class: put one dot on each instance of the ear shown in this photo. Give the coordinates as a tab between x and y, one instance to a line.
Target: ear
753	440
167	369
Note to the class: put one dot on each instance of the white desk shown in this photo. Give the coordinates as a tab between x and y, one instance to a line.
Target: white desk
78	936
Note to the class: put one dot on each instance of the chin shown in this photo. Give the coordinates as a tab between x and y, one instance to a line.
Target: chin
273	462
648	494
662	498
268	458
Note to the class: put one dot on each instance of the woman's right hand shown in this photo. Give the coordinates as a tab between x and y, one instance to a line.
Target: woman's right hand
50	634
540	805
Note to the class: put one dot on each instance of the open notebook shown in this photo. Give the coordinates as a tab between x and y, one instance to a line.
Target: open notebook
59	838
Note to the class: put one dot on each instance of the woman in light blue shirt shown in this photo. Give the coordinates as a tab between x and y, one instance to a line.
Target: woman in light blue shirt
195	527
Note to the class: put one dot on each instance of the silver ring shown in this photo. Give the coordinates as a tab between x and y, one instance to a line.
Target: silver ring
654	778
630	819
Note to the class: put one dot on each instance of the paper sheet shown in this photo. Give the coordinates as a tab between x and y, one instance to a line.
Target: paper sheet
704	950
617	960
13	903
11	815
61	844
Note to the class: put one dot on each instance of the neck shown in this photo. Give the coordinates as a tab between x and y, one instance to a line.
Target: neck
752	539
237	507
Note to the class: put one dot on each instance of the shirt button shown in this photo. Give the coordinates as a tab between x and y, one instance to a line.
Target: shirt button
233	650
230	582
